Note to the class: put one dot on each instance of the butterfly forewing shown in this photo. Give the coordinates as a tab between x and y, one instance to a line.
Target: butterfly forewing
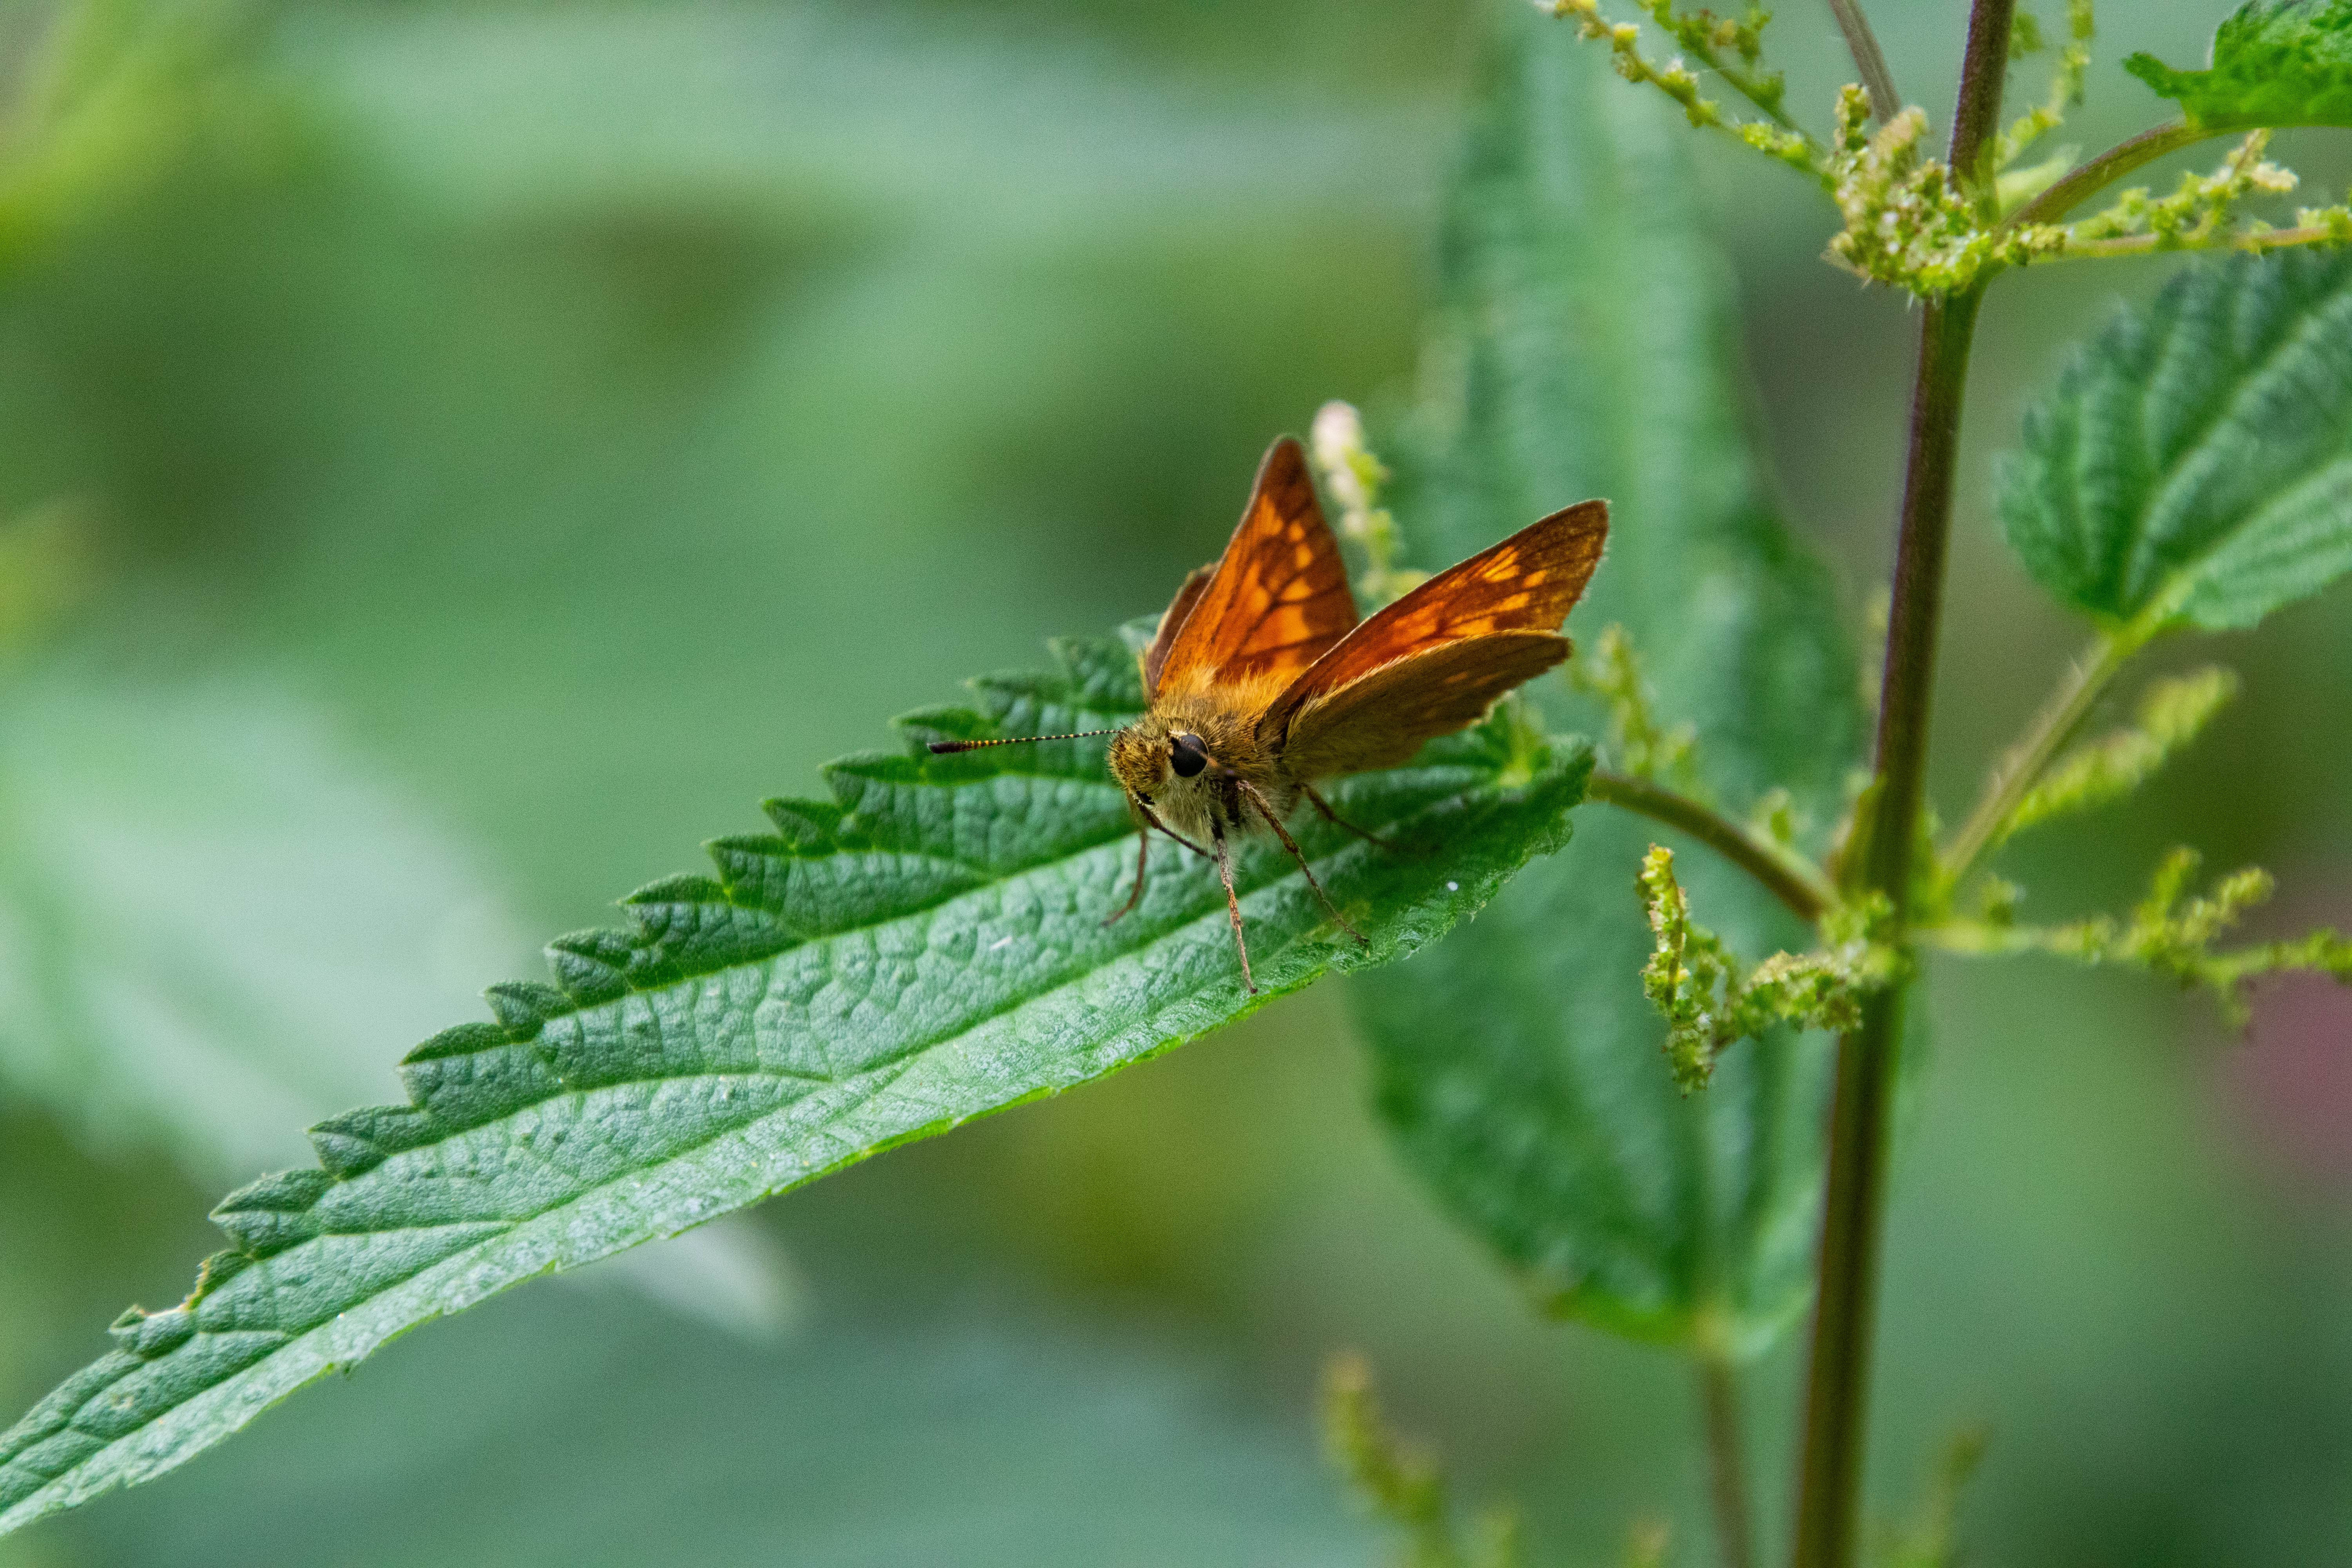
1155	657
1279	599
1528	582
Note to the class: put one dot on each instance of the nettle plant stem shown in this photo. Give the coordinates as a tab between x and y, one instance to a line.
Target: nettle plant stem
1797	885
1836	1401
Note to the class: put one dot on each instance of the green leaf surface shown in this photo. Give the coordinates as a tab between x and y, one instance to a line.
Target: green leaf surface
2193	466
923	947
1583	348
2276	62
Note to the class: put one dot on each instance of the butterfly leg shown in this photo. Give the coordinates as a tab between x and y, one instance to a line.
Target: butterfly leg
1142	863
1143	857
1337	820
1266	809
1151	819
1233	901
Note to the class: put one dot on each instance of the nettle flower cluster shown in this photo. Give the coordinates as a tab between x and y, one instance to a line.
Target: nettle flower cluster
1909	220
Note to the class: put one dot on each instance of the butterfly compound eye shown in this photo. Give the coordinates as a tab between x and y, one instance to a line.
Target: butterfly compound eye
1187	756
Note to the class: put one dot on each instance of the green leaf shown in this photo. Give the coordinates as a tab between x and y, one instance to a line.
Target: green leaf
2193	466
2276	62
926	946
1584	348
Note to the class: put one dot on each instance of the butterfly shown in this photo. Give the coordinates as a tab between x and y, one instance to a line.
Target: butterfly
1260	680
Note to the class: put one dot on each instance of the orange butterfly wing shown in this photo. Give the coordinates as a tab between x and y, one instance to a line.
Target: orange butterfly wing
1437	658
1277	600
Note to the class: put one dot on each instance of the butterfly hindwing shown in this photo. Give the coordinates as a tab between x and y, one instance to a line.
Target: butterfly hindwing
1526	584
1381	720
1279	599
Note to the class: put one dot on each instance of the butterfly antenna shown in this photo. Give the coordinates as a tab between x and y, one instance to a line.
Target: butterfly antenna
939	747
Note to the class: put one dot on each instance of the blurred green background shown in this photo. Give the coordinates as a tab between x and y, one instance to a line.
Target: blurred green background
479	450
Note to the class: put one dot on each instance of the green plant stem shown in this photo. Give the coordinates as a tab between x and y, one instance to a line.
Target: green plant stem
1984	70
1805	892
2227	240
1829	1474
1740	80
2024	762
2091	177
1862	43
1726	1460
1740	83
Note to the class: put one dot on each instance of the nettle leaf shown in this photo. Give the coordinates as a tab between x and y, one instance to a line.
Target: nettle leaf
1584	348
923	947
2276	62
2193	466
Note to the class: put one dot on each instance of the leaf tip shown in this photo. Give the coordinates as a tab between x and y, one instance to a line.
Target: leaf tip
805	826
147	1334
523	1006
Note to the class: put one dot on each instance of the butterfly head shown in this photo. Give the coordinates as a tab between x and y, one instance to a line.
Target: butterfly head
1156	756
1159	760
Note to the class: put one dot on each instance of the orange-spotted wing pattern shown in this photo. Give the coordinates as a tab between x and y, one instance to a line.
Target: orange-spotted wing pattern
1279	599
1522	588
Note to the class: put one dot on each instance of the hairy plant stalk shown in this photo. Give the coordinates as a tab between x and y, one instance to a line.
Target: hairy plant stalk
1829	1479
1727	1463
1984	71
1836	1401
1805	894
1862	43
